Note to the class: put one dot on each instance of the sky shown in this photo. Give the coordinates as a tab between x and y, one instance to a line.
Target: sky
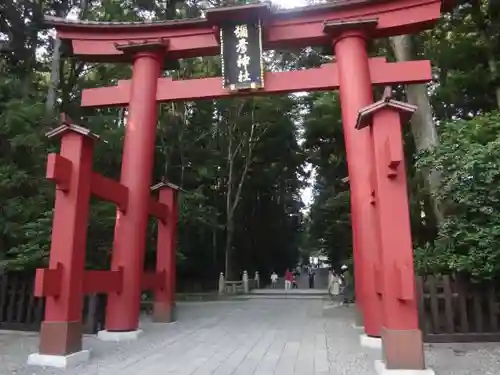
289	3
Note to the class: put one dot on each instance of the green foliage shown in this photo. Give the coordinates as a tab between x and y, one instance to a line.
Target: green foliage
191	151
329	230
193	146
24	209
469	161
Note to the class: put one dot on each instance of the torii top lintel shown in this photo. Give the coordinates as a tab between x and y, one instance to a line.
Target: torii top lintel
299	27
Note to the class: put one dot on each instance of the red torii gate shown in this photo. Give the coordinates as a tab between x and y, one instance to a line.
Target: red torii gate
374	157
66	281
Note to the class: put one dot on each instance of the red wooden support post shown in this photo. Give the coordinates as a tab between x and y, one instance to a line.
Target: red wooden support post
61	283
401	336
123	308
166	250
355	93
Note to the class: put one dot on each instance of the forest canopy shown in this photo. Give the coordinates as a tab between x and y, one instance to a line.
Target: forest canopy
243	171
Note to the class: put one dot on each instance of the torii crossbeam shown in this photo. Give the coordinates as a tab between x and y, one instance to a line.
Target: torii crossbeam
316	79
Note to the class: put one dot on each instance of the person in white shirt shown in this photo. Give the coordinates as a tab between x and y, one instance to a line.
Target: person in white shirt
334	283
274	280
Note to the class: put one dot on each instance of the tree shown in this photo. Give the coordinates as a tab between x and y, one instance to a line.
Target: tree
330	226
468	159
423	128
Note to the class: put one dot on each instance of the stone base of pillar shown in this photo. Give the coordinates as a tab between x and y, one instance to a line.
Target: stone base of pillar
370	342
118	336
60	338
59	361
382	369
163	313
403	349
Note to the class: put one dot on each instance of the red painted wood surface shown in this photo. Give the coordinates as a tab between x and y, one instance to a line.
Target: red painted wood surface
356	92
399	302
59	170
166	249
323	78
110	190
69	231
137	163
61	283
283	29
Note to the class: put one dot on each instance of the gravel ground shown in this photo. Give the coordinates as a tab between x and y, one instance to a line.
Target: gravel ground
248	337
453	359
14	348
464	359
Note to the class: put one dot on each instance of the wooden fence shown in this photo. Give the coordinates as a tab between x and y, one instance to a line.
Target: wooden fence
20	310
456	311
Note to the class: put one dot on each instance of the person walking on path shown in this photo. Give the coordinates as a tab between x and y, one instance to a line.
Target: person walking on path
288	279
311	278
274	280
334	282
348	285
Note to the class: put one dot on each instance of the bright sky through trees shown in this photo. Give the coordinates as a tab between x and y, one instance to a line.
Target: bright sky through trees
307	191
290	3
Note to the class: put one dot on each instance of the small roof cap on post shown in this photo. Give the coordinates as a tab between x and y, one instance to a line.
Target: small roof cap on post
365	115
147	45
162	45
164	184
337	27
66	124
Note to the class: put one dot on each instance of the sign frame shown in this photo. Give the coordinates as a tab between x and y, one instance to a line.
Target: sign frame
252	84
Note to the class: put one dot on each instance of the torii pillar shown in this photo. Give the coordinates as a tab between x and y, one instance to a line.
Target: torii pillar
401	337
355	86
164	298
123	309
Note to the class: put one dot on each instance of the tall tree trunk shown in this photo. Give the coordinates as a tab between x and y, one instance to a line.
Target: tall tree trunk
231	154
422	124
233	192
489	39
229	261
50	103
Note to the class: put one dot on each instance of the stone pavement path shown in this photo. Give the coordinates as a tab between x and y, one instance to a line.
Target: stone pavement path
258	337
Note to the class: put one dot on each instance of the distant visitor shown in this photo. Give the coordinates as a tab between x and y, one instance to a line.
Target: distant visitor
274	280
288	279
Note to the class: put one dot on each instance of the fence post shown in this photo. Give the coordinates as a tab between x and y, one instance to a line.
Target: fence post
222	283
91	319
257	280
245	282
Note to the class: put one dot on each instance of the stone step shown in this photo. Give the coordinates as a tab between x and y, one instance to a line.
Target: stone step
280	296
297	292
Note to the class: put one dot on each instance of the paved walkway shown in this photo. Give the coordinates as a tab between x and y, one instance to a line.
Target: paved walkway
259	337
243	337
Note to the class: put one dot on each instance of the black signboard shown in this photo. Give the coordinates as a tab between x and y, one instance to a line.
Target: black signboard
241	50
